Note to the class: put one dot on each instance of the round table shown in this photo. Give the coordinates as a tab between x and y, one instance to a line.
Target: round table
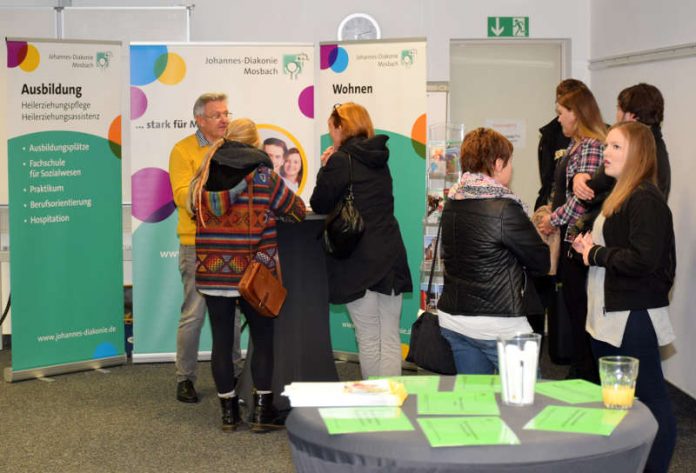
625	450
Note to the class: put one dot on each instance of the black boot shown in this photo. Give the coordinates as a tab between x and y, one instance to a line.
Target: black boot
230	413
264	417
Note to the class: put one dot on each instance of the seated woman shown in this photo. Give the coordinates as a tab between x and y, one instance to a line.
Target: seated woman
489	245
632	260
230	232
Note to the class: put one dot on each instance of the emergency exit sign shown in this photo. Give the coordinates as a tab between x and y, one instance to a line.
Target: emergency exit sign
508	26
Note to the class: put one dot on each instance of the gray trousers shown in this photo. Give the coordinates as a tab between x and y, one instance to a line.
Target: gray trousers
376	318
193	311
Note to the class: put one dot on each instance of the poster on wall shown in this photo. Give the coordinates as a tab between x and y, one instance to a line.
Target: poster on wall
388	78
64	168
272	85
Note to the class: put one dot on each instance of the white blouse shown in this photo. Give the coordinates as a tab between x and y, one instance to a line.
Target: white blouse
483	327
609	327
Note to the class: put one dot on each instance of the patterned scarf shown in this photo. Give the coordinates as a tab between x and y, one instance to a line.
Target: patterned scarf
474	185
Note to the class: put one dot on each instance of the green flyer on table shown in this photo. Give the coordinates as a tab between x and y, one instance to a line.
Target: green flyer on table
477	382
572	391
416	384
352	420
467	431
458	403
579	420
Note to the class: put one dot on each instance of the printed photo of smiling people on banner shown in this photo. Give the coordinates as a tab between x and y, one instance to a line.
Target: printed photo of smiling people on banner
270	84
64	168
388	78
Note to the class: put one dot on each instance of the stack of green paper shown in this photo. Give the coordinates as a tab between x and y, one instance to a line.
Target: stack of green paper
467	431
458	403
353	420
572	391
579	420
477	382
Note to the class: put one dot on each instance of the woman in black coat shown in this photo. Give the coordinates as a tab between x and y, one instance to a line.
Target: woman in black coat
632	260
373	278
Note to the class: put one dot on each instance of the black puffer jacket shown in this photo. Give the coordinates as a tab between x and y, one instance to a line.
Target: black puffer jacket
488	246
379	262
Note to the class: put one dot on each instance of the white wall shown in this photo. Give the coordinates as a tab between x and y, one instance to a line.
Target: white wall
625	26
437	20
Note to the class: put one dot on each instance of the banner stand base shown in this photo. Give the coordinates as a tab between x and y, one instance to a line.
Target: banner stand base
168	357
46	371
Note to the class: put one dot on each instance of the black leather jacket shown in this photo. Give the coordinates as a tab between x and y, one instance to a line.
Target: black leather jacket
488	247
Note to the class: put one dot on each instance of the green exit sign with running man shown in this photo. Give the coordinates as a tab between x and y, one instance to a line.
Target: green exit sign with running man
508	26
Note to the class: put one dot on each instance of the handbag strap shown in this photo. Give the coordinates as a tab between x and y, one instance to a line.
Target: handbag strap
432	265
250	194
349	194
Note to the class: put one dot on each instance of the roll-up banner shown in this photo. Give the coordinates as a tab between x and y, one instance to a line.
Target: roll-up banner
271	84
64	168
389	79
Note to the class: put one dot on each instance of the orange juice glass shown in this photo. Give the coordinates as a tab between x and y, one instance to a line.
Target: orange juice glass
618	375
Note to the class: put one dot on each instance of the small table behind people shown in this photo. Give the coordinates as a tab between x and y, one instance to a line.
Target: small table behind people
625	450
302	337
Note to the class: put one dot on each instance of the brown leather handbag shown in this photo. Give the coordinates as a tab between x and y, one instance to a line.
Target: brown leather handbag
258	286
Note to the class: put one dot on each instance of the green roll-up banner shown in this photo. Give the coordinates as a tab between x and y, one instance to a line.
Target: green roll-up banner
389	79
64	168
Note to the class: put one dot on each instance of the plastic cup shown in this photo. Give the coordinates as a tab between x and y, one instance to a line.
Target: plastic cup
518	358
618	375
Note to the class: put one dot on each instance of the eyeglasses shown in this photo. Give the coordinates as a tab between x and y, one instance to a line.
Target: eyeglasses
335	115
219	116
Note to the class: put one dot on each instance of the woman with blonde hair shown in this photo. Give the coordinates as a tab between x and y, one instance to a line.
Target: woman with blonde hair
632	260
373	278
232	228
582	122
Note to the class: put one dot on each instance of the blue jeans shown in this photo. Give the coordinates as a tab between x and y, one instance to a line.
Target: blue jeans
472	356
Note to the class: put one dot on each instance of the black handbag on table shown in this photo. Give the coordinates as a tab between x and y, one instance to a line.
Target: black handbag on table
428	348
343	227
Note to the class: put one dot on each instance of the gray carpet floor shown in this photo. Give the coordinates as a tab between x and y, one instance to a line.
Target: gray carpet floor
126	419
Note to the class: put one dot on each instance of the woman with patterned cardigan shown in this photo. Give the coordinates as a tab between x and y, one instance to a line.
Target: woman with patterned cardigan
230	232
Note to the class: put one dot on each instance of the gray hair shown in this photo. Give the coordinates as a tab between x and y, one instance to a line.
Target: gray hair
201	102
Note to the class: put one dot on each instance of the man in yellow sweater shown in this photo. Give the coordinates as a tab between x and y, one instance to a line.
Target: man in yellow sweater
212	116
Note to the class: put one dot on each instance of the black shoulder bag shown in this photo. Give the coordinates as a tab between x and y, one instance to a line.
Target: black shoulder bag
428	348
343	227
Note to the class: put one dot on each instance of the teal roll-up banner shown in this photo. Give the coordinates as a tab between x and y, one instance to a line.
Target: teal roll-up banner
389	79
64	169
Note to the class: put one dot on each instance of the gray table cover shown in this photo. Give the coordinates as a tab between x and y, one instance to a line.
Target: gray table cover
626	450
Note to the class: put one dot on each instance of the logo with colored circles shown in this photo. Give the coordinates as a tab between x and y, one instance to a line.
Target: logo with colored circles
23	55
333	57
148	64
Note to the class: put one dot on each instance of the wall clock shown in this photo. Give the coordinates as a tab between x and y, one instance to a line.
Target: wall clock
358	26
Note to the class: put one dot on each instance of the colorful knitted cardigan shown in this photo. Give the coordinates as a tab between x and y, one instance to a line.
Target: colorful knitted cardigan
224	242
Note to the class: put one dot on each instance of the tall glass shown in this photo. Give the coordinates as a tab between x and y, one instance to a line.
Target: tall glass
518	359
